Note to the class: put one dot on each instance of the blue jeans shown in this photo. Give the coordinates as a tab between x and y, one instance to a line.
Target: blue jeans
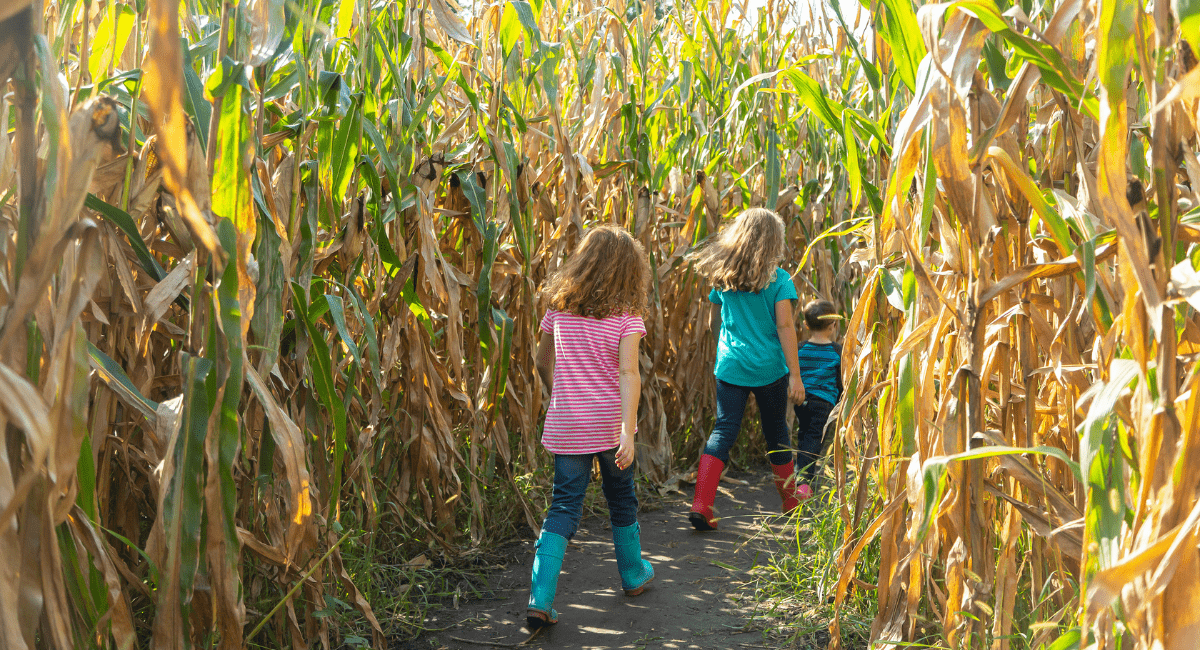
811	417
572	473
772	408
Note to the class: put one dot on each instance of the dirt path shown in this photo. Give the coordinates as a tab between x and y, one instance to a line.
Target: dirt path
701	597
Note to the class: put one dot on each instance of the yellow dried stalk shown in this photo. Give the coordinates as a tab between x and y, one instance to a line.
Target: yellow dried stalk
1023	467
431	438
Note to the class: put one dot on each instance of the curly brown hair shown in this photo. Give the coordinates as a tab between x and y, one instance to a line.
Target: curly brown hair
607	274
744	255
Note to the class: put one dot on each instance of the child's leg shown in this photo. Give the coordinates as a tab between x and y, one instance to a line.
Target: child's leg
810	428
622	510
571	476
618	490
572	473
731	405
772	407
772	402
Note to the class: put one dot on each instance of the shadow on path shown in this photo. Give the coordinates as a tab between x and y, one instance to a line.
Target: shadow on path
701	597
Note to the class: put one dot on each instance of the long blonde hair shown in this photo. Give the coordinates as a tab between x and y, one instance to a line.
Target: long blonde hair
607	274
745	254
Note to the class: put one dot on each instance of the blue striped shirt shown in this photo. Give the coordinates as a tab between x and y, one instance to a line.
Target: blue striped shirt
821	370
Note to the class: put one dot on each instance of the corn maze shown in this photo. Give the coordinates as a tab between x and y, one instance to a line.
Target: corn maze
269	281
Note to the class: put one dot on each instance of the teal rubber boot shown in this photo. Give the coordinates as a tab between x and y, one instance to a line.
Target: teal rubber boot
635	572
547	563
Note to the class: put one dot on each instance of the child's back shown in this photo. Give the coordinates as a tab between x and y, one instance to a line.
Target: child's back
588	355
748	349
820	359
756	351
821	369
584	415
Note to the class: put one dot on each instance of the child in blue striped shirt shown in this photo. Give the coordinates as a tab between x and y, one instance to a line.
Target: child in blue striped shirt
821	369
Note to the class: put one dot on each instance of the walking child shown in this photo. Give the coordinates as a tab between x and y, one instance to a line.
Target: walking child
756	351
821	369
588	355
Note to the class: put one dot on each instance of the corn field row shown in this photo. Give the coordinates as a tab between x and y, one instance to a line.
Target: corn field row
270	279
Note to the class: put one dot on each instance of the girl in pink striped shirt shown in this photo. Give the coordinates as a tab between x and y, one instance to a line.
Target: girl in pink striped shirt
588	355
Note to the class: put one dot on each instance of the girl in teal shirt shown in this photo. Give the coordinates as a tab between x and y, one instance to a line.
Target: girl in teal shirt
756	351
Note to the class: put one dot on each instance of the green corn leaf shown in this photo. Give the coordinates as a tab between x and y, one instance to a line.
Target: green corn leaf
331	401
122	220
903	35
372	338
525	15
1070	640
309	174
88	603
929	193
1103	467
345	150
267	322
194	102
1055	72
224	520
868	67
183	506
853	168
552	54
813	96
389	161
1086	253
112	36
337	311
1037	200
517	20
86	471
232	197
996	64
872	128
504	327
452	74
114	376
772	166
1115	44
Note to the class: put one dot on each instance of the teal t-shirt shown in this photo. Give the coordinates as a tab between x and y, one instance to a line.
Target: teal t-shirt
748	349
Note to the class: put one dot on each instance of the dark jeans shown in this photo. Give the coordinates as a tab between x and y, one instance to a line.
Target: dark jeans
772	408
572	473
811	417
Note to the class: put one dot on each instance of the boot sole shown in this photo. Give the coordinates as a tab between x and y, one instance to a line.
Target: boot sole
638	591
535	619
700	522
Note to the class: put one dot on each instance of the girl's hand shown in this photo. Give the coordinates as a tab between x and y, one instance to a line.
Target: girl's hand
626	451
796	389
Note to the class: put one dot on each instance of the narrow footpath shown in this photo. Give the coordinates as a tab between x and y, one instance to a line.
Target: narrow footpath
702	595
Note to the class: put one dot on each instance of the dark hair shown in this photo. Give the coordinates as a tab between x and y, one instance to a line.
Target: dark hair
607	274
815	313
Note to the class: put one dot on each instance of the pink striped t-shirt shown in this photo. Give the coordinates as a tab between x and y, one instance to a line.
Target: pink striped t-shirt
585	404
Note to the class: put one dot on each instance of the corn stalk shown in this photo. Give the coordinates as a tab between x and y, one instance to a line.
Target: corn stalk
270	277
1020	440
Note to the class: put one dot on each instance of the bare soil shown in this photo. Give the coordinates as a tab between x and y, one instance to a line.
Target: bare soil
702	595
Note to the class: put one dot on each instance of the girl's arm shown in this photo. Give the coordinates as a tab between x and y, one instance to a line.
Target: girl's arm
786	326
545	360
631	391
